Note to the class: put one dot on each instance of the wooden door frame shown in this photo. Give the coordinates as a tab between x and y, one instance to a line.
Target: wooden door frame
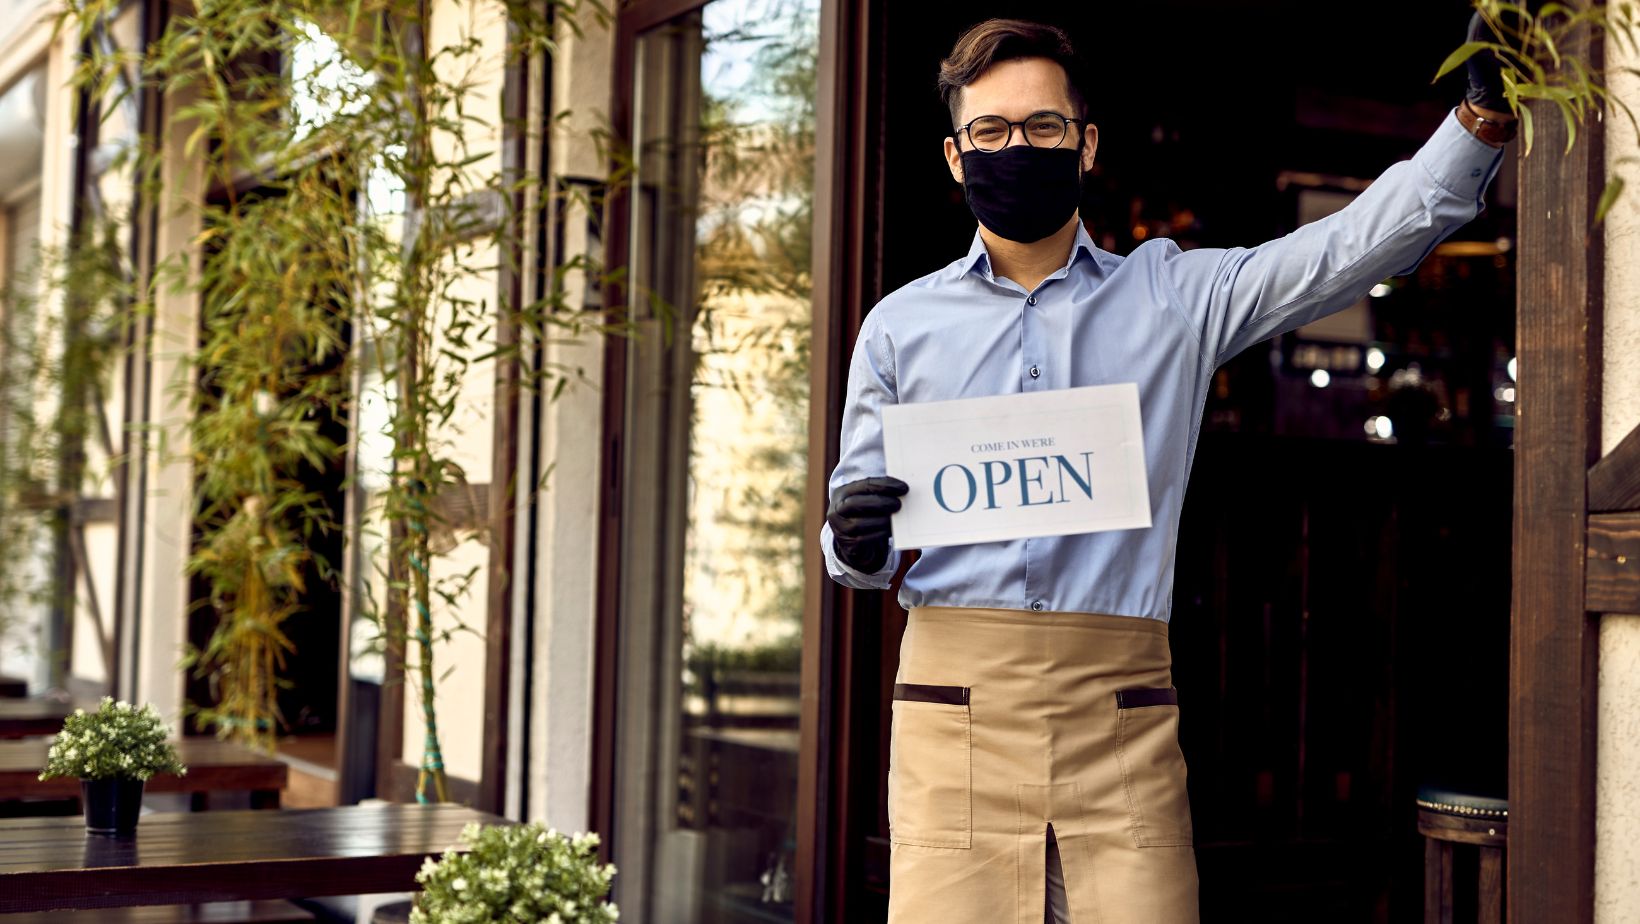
844	283
847	261
1576	525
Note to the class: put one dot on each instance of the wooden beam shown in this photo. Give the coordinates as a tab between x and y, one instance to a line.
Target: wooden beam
88	510
838	626
606	679
1553	640
1612	570
1614	482
504	449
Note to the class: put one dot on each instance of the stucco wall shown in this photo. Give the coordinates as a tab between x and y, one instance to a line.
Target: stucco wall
1617	786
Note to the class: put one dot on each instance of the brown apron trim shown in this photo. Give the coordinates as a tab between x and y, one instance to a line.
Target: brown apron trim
1154	696
932	693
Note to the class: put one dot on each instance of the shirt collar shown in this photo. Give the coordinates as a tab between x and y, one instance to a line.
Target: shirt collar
978	259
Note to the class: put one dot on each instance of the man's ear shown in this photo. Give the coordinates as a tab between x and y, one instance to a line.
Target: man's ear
953	158
1090	145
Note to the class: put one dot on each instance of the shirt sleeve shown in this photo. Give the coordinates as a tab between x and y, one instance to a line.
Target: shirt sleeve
1233	298
860	452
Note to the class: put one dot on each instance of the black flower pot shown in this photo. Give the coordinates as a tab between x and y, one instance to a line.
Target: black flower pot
111	806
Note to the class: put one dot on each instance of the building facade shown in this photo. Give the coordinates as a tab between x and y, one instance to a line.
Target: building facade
659	655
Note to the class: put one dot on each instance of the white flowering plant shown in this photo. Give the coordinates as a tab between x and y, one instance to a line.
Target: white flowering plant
514	873
118	741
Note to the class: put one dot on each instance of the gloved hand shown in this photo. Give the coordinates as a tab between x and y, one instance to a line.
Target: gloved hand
1485	69
859	521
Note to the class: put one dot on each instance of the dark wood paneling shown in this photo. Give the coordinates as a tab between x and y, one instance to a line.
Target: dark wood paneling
606	631
1614	481
844	204
640	15
1612	575
1553	640
138	384
89	510
390	706
504	455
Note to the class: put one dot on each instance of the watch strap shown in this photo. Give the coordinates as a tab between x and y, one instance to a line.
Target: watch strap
1491	131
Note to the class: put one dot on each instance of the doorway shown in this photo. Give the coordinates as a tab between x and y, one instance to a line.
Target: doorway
309	473
1347	526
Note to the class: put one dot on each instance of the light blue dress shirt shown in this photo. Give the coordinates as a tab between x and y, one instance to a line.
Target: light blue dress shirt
1161	317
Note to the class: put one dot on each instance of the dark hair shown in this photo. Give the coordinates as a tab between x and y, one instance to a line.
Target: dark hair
997	40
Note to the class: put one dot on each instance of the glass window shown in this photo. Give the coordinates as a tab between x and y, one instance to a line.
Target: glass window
716	455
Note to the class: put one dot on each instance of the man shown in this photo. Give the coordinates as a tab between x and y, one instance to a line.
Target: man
1034	765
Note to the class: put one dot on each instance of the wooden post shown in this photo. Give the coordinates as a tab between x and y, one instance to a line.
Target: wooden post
1553	638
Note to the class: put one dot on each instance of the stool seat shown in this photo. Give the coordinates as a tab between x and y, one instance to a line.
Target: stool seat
1467	804
1450	816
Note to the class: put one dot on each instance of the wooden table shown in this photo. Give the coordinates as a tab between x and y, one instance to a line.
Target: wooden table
20	718
52	864
213	766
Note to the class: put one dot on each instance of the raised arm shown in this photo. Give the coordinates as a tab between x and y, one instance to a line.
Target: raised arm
1233	298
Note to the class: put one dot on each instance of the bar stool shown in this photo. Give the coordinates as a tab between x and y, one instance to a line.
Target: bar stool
1447	818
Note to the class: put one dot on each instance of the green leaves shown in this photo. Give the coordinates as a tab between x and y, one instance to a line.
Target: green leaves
1541	61
1459	55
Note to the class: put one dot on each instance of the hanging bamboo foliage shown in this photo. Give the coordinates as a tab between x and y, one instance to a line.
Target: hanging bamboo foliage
354	200
1536	49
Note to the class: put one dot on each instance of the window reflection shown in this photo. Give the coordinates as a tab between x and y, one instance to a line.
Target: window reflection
724	144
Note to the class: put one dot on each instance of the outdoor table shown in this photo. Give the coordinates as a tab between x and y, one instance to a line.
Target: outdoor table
52	864
20	718
213	766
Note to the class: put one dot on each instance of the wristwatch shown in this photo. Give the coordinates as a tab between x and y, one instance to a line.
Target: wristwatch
1491	131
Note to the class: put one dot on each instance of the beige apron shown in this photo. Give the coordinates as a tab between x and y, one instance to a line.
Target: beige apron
1009	721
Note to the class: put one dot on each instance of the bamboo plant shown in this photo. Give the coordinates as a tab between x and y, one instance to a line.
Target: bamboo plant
1537	50
349	204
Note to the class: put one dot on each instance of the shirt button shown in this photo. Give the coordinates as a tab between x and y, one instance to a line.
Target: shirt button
1036	604
1036	373
1030	299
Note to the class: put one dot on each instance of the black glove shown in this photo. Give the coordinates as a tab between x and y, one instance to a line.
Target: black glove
1485	68
859	521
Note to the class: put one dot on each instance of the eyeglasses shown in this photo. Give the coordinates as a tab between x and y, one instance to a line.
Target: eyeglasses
991	133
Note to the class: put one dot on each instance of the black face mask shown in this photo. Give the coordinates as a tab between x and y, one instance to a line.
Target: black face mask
1023	193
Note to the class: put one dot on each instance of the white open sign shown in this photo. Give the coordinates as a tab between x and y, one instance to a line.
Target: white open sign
1050	463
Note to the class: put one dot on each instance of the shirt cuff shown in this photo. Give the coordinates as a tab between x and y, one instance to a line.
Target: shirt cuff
1461	163
861	579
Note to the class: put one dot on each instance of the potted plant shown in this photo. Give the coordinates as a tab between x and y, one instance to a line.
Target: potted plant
516	873
113	751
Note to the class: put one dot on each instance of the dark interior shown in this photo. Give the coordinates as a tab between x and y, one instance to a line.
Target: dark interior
1341	608
308	702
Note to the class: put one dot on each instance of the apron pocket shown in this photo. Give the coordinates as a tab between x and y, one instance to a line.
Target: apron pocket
929	775
1153	772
